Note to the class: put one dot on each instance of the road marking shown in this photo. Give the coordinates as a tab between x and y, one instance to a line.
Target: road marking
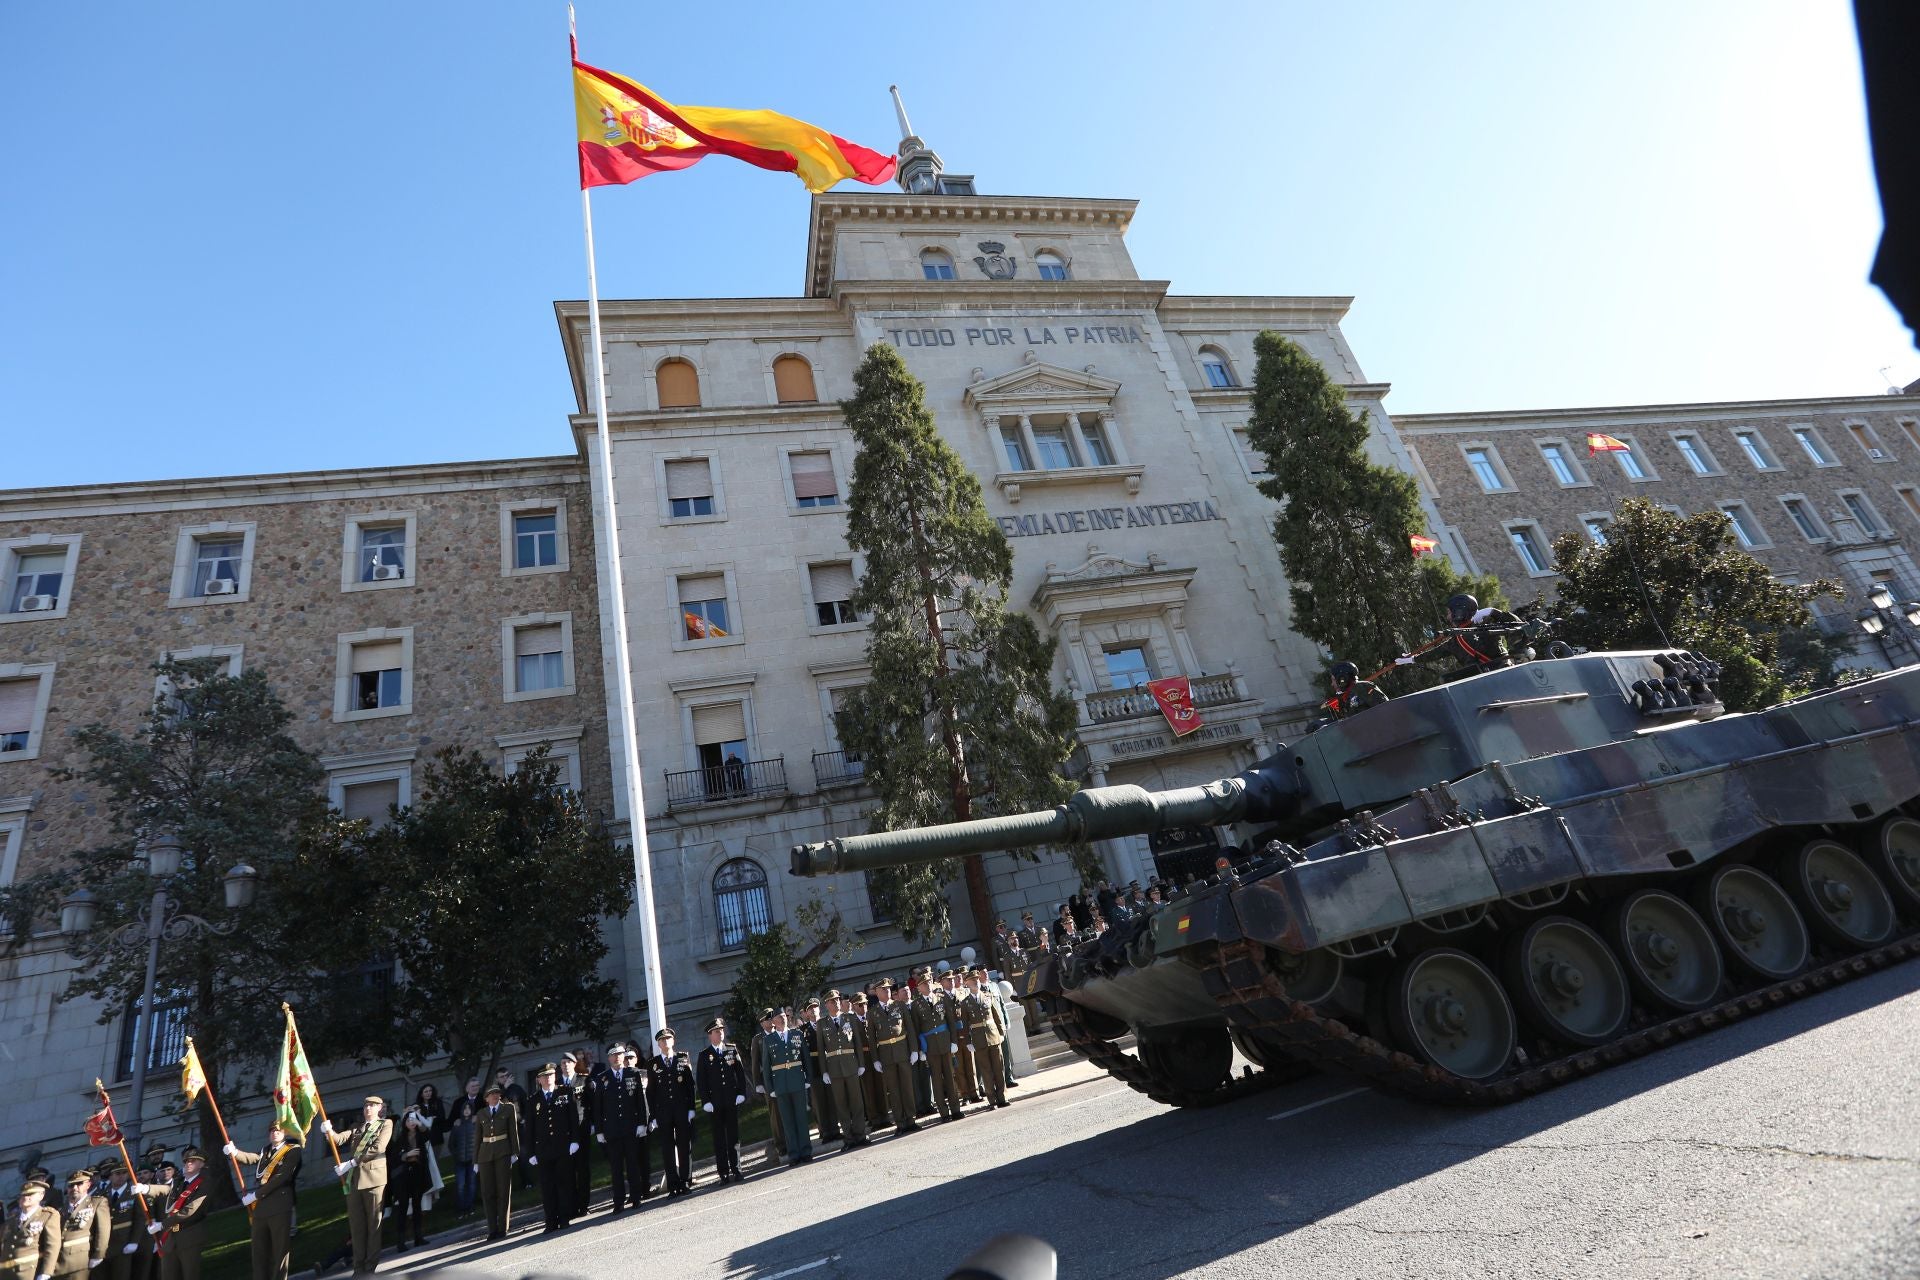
794	1271
1111	1093
1294	1111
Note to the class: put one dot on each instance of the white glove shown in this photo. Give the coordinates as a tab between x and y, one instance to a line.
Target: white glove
512	1160
343	1168
94	1263
825	1078
153	1229
759	1088
132	1248
706	1107
912	1058
639	1131
1404	660
953	1049
227	1150
573	1148
739	1099
600	1138
876	1064
652	1125
534	1161
860	1071
249	1198
326	1127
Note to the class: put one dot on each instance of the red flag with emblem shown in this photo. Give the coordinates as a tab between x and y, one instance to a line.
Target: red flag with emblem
101	1130
1174	694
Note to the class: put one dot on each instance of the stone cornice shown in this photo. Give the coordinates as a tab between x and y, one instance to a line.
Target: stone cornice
1185	311
291	486
719	417
1039	297
830	209
1700	411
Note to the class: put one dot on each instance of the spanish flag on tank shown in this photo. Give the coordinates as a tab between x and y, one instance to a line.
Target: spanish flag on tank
627	132
1598	443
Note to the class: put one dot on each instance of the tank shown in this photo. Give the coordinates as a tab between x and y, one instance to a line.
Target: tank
1478	891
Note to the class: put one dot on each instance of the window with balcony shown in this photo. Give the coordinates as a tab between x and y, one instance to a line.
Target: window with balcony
1016	450
726	768
1055	448
1128	667
1099	448
741	905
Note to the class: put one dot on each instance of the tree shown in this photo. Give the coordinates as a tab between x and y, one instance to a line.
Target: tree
492	895
1662	581
778	970
960	718
1345	524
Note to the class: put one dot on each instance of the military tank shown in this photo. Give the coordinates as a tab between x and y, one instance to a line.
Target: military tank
1481	890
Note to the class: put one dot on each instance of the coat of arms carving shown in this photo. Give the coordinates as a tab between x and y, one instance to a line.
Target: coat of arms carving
994	261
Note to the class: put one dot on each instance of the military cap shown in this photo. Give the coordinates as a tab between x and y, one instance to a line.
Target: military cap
834	994
192	1153
492	1091
859	997
546	1069
813	1002
663	1033
33	1186
768	1015
885	982
617	1046
718	1024
568	1057
979	968
168	1164
79	1176
110	1167
373	1100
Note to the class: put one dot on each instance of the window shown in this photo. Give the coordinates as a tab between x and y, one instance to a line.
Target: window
1869	441
936	264
36	576
379	551
1481	462
1596	527
164	1037
1050	265
793	380
1631	463
370	802
741	907
533	537
1756	450
1099	448
537	650
383	553
163	686
1250	457
24	694
37	580
1863	513
374	674
1813	446
563	750
13	834
720	743
1911	498
1527	545
1216	369
1016	448
216	566
1804	519
678	384
832	593
703	608
1128	668
1055	449
212	563
879	905
367	786
814	484
1911	430
1745	527
689	488
1559	463
1694	450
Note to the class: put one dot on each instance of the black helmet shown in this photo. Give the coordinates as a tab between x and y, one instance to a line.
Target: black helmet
1344	674
1461	608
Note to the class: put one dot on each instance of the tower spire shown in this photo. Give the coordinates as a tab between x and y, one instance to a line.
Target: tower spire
900	110
920	166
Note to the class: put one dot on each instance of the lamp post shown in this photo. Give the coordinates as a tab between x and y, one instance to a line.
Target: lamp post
161	918
1883	621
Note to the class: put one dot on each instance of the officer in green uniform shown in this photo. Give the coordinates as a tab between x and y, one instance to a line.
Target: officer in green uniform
933	1034
30	1243
272	1201
496	1147
874	1085
894	1054
85	1225
787	1081
987	1023
182	1232
843	1059
365	1171
758	1075
122	1246
820	1097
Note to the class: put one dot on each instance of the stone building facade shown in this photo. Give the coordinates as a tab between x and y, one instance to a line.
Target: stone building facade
1818	488
458	600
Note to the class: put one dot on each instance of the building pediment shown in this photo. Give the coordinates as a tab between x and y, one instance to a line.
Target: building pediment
1038	383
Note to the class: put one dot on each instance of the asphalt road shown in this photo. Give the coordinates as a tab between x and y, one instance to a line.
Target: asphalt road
1784	1146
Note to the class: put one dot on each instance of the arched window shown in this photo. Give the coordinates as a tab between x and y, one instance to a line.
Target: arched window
936	264
679	384
1218	370
793	380
1050	265
740	903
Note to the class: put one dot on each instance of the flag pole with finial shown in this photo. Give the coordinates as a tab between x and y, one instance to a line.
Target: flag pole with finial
120	1141
193	1081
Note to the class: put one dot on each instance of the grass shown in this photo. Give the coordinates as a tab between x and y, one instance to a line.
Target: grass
322	1209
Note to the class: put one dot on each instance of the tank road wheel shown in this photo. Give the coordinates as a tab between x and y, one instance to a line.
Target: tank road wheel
1669	952
1447	1008
1308	976
1843	900
1754	921
1567	982
1896	849
1195	1060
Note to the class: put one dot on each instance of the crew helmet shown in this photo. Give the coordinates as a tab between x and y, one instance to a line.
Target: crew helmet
1461	608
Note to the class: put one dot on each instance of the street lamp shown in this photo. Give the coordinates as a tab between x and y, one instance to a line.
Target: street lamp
1883	622
160	919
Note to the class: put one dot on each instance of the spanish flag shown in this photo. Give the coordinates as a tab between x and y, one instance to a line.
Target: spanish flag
627	132
1598	443
1421	544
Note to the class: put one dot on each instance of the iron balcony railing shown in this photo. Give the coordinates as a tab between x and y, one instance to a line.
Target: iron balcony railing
1128	704
725	783
838	769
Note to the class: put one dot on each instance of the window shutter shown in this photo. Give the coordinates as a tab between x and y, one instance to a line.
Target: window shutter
793	380
726	722
831	582
370	800
813	475
528	641
381	655
679	385
17	700
689	478
706	587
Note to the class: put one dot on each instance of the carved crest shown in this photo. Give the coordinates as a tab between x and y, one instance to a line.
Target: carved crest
994	261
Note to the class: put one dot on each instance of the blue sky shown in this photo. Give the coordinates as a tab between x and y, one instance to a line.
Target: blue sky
268	237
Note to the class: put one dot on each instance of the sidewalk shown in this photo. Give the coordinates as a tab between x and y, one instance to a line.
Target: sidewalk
453	1243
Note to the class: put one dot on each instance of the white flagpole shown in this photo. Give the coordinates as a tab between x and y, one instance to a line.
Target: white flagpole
610	550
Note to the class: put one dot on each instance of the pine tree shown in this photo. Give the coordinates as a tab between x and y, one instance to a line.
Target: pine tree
1345	523
960	718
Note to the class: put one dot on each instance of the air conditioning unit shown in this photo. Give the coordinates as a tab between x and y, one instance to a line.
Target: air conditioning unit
222	586
1878	455
388	572
37	604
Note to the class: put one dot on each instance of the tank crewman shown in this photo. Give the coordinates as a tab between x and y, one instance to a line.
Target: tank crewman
1479	636
788	1064
365	1170
964	1077
821	1095
574	1080
86	1223
272	1201
622	1123
672	1099
843	1058
553	1139
874	1091
496	1149
888	1025
123	1248
759	1076
933	1038
721	1079
1350	692
183	1229
988	1023
30	1243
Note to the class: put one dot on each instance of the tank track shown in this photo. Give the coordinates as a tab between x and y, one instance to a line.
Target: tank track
1138	1076
1255	1001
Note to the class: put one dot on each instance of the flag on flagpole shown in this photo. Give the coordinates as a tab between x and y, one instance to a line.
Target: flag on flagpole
295	1100
1422	545
1600	443
627	132
101	1130
1174	696
192	1078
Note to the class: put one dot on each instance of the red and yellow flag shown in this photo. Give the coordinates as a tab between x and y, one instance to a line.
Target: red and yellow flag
1599	443
1174	695
627	132
1421	544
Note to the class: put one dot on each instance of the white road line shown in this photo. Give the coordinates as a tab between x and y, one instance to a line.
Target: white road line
794	1271
1294	1111
1111	1093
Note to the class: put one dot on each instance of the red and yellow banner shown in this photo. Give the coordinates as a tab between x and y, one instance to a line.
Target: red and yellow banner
1599	443
1175	696
1421	544
627	132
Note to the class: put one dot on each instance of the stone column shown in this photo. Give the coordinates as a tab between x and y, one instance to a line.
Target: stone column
1027	441
1115	445
1079	439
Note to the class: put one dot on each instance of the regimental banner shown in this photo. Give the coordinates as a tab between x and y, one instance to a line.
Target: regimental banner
1175	696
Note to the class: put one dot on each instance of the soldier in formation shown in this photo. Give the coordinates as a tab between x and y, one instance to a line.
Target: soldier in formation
124	1234
721	1078
579	1087
671	1099
180	1231
621	1122
30	1243
843	1061
788	1067
553	1139
758	1074
365	1170
85	1226
934	1023
496	1144
271	1200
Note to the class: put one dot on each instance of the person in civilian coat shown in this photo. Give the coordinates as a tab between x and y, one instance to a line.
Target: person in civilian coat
460	1146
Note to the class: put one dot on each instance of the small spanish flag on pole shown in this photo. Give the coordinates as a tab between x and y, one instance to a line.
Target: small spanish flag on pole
1422	545
1600	443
